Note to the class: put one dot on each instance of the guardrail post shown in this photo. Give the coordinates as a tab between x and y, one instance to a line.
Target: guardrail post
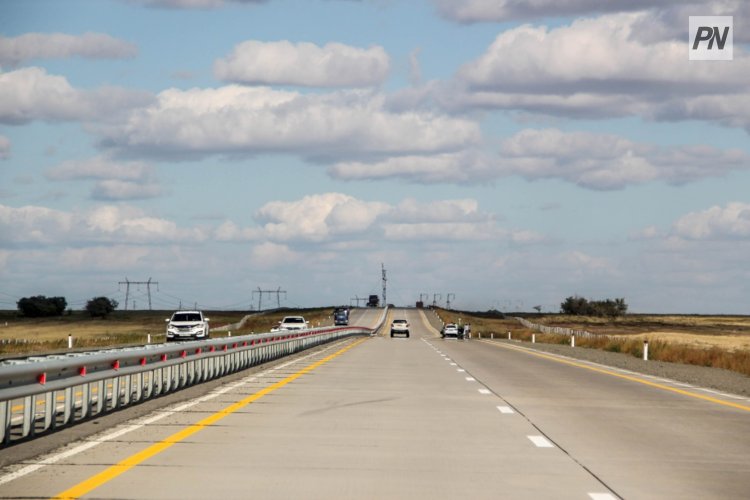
28	416
5	415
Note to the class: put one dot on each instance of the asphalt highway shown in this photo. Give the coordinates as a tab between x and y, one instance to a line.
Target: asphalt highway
417	417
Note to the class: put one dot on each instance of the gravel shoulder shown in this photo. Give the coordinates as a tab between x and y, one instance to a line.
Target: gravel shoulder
701	376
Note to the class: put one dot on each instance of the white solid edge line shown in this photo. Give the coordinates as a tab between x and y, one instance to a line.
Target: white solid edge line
159	414
507	410
541	442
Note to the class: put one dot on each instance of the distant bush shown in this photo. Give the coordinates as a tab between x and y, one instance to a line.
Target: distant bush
40	306
101	306
579	306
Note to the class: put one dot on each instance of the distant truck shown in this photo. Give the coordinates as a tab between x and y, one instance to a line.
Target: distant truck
373	301
341	316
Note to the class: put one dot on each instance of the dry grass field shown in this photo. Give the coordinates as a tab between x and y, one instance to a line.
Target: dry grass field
22	336
715	341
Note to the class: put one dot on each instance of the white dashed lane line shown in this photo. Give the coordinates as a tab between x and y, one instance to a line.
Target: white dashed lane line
541	442
602	496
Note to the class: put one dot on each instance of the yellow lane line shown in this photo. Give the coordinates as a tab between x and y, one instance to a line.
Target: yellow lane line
621	375
115	470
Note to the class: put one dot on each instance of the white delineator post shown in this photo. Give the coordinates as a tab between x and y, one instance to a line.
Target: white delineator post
70	341
533	338
508	335
148	338
572	341
645	350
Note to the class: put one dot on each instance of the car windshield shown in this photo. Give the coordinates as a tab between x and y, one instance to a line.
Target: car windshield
294	320
399	321
186	317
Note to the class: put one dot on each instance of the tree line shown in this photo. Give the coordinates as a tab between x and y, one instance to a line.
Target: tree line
40	306
580	306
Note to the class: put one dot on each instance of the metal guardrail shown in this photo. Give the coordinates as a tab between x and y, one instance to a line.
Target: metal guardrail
40	394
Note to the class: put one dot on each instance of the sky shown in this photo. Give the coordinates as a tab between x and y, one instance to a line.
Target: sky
505	154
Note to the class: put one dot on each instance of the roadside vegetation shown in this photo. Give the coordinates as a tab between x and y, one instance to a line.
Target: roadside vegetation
712	341
20	336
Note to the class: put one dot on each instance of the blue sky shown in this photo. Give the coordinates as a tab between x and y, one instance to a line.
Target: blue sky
512	156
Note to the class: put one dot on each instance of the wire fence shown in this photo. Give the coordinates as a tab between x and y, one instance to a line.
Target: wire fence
559	330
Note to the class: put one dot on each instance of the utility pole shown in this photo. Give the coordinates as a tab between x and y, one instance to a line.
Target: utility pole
435	298
448	300
260	293
127	284
385	280
425	295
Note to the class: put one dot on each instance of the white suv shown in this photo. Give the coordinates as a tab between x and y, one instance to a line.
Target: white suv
400	326
185	325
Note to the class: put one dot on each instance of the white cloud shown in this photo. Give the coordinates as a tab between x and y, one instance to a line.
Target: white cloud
441	231
463	166
33	224
731	221
60	46
591	160
601	67
4	148
343	222
110	224
303	64
410	210
317	217
605	161
270	255
236	119
114	180
32	94
472	11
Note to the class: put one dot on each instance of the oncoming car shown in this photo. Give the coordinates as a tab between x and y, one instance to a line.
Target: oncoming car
186	325
450	330
400	326
293	323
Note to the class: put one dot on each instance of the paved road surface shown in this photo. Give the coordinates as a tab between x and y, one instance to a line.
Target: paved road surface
418	418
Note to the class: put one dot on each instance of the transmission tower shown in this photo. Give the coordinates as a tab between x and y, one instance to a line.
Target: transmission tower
127	284
260	293
448	300
358	299
435	298
385	280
